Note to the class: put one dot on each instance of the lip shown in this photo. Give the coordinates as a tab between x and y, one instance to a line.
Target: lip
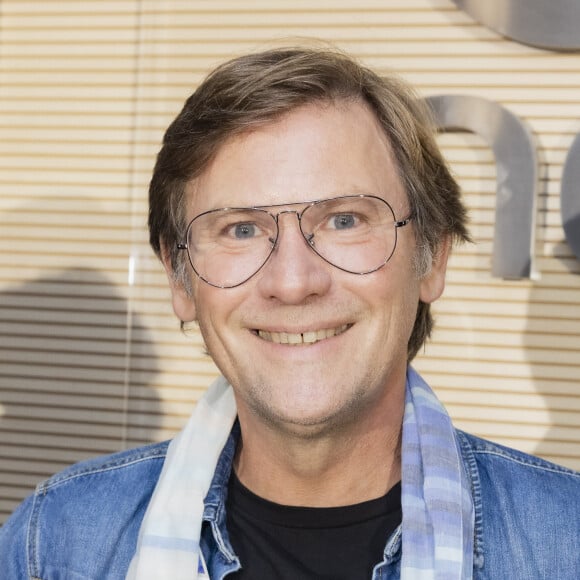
304	338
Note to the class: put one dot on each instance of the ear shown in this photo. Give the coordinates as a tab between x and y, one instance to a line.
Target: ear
433	284
183	303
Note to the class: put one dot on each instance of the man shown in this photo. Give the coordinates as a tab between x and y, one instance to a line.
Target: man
304	216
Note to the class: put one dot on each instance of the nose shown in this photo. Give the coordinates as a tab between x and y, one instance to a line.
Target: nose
294	272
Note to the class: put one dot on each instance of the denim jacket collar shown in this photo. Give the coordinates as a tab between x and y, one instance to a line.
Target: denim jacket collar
470	465
215	506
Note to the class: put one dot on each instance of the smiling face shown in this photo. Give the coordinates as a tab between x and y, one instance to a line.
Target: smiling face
307	346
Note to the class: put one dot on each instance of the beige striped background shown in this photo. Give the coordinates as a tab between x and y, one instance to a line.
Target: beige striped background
91	357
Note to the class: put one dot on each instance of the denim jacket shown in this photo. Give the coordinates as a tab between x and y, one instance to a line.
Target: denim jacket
83	523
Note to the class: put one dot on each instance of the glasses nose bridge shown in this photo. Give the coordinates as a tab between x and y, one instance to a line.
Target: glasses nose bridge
298	214
282	212
285	211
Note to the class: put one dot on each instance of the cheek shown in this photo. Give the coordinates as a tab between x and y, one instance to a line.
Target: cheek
216	310
206	307
210	325
396	306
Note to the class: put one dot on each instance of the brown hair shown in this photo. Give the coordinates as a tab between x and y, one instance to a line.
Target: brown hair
256	89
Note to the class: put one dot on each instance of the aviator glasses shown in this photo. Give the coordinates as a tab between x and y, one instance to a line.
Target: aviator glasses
354	233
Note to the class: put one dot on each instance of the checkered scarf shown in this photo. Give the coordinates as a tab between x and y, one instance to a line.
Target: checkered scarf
438	515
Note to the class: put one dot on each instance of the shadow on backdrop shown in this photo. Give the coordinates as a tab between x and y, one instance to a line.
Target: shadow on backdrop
554	324
76	369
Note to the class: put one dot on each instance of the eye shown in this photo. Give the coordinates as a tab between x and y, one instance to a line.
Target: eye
343	221
243	231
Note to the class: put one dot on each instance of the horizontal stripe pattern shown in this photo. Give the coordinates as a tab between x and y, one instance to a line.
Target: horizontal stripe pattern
91	356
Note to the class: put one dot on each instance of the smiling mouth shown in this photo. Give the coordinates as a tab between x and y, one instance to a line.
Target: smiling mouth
296	339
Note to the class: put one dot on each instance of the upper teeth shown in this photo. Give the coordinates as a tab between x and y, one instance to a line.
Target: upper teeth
301	338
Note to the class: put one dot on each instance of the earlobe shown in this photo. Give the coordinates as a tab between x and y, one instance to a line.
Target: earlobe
182	300
183	303
433	284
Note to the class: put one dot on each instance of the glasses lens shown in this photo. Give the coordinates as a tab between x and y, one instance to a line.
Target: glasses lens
355	233
228	246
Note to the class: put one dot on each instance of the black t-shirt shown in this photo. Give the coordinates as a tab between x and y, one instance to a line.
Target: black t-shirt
278	542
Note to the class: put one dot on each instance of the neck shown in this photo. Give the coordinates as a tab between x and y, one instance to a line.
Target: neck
353	465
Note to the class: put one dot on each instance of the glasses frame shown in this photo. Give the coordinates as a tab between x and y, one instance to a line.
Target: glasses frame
307	237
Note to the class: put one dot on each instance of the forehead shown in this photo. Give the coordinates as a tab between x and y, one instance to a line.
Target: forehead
314	152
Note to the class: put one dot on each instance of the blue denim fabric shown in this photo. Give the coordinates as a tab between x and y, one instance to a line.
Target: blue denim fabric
83	523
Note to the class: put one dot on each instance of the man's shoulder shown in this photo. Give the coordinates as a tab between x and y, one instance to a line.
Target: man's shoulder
115	486
527	511
501	457
523	484
85	519
128	464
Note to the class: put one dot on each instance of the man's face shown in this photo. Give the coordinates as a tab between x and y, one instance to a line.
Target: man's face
315	152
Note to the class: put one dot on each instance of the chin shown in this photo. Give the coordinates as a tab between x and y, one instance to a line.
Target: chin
310	422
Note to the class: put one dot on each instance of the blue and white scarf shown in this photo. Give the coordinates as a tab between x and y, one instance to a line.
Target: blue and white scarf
438	515
437	528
